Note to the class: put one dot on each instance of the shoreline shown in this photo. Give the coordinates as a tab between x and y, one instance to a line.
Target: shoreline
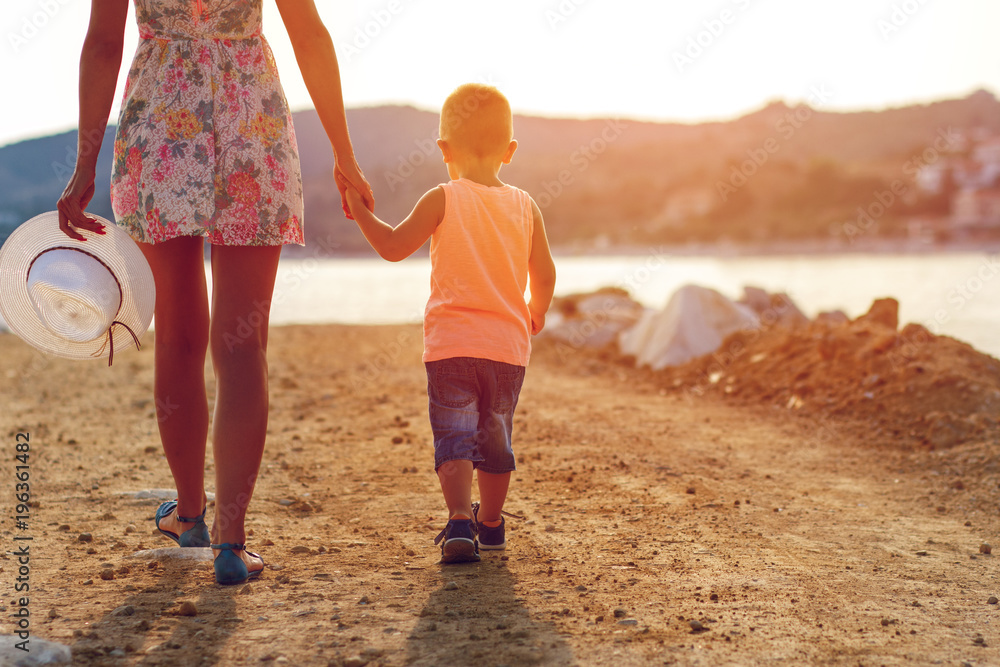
885	247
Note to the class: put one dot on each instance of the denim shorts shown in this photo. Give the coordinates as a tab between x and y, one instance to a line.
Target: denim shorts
472	405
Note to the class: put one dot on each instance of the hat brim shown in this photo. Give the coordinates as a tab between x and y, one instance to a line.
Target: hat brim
115	248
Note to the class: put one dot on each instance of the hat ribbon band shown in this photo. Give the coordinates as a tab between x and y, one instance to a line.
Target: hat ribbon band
110	340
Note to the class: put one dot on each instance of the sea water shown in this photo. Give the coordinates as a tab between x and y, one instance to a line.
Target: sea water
955	294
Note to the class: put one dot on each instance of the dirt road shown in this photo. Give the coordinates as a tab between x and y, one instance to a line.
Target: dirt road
660	527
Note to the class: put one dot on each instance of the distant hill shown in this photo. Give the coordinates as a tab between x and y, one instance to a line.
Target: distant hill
599	182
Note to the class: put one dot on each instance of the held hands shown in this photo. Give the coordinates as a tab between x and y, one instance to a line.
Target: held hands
349	178
352	199
74	199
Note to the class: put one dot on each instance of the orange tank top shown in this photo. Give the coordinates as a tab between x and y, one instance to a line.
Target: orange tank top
479	274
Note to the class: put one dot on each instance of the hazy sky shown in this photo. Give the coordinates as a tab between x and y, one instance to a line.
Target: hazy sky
666	59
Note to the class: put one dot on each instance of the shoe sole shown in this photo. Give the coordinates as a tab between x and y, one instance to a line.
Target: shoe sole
493	547
459	550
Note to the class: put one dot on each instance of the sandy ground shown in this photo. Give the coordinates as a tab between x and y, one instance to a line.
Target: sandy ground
649	513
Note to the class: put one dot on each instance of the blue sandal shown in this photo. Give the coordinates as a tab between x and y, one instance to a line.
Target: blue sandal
196	536
230	568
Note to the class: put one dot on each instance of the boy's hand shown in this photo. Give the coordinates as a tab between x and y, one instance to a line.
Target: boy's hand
353	199
537	323
348	176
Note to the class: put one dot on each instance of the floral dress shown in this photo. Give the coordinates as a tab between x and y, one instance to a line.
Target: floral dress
205	144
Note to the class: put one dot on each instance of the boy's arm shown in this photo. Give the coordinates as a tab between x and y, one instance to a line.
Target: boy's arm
402	241
541	271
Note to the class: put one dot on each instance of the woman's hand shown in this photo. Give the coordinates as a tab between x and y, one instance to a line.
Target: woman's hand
74	199
348	175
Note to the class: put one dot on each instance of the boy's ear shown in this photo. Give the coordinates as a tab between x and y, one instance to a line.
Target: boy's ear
510	151
445	150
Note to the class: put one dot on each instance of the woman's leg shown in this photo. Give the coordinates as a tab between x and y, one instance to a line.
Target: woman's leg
181	336
243	283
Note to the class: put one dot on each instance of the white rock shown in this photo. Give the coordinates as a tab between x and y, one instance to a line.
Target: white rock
197	554
40	652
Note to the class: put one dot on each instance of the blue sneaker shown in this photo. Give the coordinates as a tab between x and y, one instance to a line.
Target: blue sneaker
460	544
490	537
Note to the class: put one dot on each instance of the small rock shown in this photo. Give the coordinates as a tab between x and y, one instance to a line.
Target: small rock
397	440
923	553
301	549
130	528
364	600
581	588
550	528
628	621
285	502
451	586
117	653
992	600
53	613
187	608
620	613
355	661
85	537
696	625
107	574
124	610
691	490
985	548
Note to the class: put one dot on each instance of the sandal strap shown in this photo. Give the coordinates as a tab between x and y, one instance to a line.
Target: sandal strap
232	546
187	519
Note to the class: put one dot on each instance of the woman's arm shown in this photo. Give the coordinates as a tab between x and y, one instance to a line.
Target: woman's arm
317	61
100	62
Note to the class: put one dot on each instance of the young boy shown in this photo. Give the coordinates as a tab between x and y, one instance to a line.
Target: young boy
487	238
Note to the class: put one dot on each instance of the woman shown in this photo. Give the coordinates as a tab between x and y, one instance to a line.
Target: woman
205	150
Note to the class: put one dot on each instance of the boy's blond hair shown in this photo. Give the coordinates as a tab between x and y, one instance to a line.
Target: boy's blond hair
476	118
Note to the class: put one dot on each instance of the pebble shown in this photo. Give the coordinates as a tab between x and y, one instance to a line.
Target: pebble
451	586
107	574
124	610
985	548
992	600
285	502
628	621
696	625
356	661
85	537
188	608
301	549
550	528
620	613
581	588
130	528
364	600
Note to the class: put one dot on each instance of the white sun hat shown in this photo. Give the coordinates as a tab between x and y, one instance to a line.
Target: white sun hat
75	299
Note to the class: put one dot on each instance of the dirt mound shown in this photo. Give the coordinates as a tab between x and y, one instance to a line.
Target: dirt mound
929	390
